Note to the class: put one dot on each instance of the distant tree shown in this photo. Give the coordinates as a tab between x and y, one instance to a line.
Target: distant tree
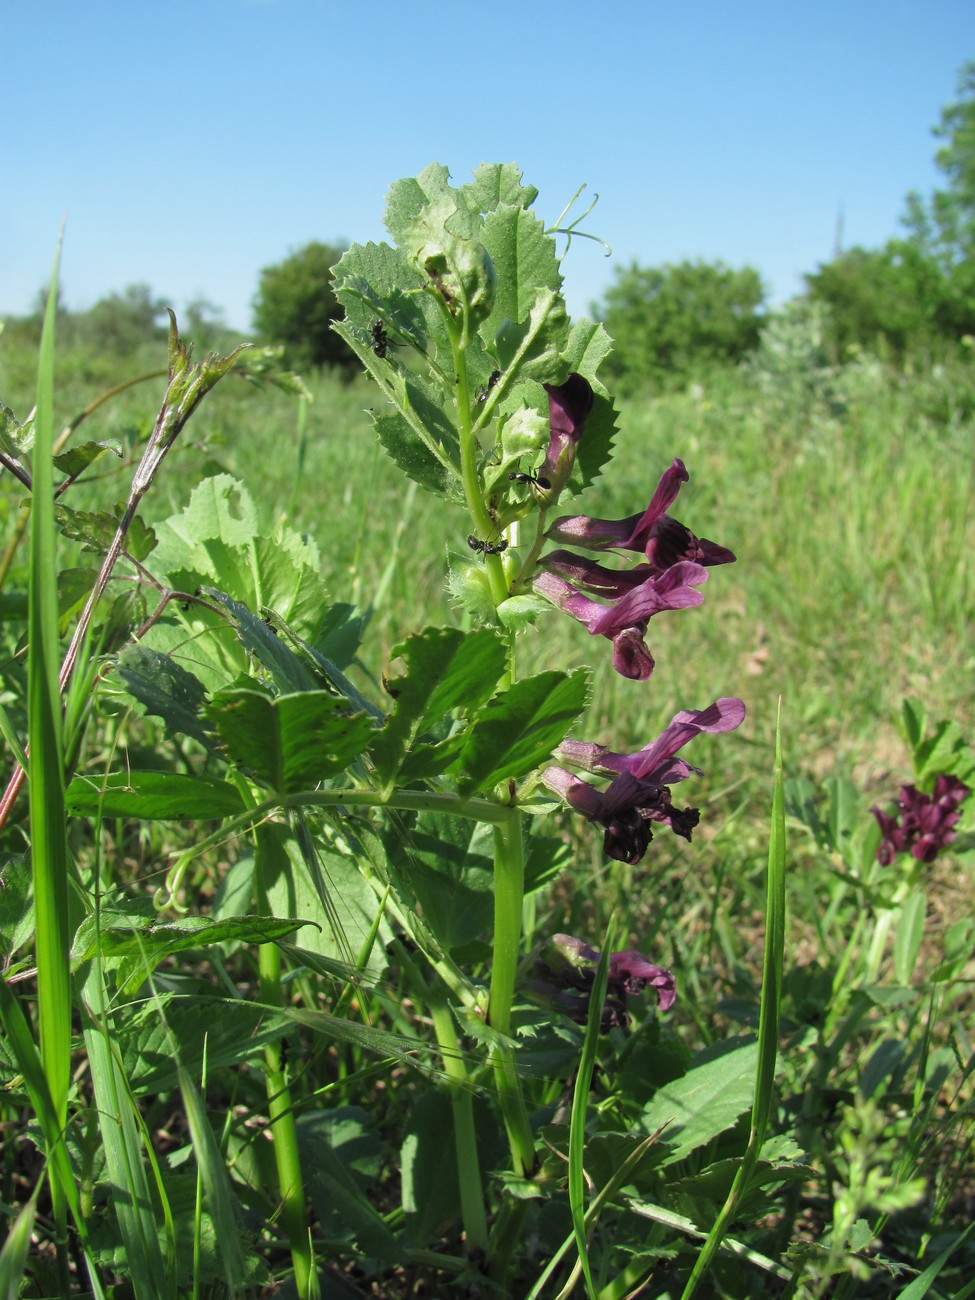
944	225
894	298
295	305
122	322
673	322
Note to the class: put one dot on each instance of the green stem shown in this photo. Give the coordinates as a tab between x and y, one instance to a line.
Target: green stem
284	1133
509	893
462	1104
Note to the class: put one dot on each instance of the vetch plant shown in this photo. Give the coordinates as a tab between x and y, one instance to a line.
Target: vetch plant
378	850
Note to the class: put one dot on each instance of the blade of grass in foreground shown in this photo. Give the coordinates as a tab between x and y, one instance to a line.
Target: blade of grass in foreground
768	1024
49	857
577	1123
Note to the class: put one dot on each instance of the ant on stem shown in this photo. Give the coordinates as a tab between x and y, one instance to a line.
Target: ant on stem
533	477
487	548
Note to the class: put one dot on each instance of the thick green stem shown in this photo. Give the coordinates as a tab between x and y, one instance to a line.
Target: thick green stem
509	892
284	1133
462	1104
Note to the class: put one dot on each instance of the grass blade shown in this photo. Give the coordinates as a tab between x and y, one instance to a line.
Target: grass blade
49	856
768	1023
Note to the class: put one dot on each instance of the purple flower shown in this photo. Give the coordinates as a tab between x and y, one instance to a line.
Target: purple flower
566	970
923	823
569	405
625	621
638	794
663	539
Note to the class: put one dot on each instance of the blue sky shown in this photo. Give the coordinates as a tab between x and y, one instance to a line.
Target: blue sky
190	144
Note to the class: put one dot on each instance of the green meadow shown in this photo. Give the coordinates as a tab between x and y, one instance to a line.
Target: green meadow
846	493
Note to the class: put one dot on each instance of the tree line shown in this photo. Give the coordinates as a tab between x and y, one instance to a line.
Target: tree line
671	323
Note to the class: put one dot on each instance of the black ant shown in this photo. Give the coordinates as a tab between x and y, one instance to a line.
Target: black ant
487	548
482	393
535	479
380	340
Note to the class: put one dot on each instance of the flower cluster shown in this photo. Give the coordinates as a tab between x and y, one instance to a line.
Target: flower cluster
676	563
923	823
565	972
638	794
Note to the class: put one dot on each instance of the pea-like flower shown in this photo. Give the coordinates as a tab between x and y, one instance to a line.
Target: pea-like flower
638	794
639	594
676	563
663	539
565	971
923	823
569	405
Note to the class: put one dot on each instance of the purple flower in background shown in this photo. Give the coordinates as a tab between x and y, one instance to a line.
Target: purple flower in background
569	405
638	794
566	970
625	621
663	539
923	823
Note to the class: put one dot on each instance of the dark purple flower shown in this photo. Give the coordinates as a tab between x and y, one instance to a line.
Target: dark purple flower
923	823
569	405
625	621
663	539
566	970
638	795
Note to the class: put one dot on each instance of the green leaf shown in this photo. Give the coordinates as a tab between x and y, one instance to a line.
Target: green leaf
166	690
259	639
517	730
337	1146
496	184
153	796
76	460
705	1102
96	530
451	872
292	742
229	1031
909	934
218	540
347	921
445	670
525	263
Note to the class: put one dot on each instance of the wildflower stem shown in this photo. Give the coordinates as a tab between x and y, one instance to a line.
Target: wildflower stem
509	892
284	1133
462	1105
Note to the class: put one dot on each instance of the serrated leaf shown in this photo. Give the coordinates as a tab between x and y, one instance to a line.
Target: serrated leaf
451	871
226	1031
77	459
446	669
709	1099
285	667
517	730
292	742
525	263
409	196
153	796
218	540
153	940
165	690
495	184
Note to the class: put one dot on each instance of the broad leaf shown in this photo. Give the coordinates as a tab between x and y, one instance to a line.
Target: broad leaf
292	742
517	730
445	670
165	690
153	796
704	1103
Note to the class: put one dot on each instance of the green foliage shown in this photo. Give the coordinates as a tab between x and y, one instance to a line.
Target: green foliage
295	305
121	323
315	1024
673	323
895	299
944	225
